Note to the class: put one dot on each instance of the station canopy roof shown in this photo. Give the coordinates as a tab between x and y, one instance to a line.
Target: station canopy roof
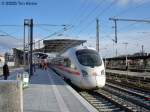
59	45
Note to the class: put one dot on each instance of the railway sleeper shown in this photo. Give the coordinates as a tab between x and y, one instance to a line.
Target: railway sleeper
128	98
106	96
140	95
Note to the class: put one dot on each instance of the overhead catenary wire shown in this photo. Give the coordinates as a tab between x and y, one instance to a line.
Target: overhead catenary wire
74	17
48	25
81	14
45	29
36	25
102	12
82	11
134	39
5	25
124	11
130	25
127	10
125	20
133	24
89	14
41	26
8	35
131	9
55	33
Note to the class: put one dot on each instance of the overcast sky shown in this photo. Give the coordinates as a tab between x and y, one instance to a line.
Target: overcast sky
81	14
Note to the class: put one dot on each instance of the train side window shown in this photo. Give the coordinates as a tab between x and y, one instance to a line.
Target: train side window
67	62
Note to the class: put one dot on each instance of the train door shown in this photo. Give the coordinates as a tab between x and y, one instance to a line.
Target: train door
71	71
76	74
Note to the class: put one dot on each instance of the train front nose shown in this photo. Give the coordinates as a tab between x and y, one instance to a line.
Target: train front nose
93	79
100	78
88	82
93	82
100	81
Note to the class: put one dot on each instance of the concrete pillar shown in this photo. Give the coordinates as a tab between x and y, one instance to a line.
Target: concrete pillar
11	97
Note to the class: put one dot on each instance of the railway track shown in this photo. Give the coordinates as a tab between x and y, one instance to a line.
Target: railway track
137	79
116	98
103	102
140	100
132	90
129	85
137	84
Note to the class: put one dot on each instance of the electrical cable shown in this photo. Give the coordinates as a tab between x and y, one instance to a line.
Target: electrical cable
79	9
129	9
55	33
102	12
83	9
7	34
89	14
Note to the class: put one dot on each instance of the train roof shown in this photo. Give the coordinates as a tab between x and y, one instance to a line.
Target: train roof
59	45
74	49
81	47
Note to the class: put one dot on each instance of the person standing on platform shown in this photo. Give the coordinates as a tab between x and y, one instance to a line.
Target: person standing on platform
45	64
5	71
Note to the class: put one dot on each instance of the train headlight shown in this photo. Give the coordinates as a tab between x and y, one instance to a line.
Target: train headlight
84	73
102	72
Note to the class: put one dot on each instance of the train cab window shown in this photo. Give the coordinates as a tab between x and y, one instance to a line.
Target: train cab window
89	58
67	62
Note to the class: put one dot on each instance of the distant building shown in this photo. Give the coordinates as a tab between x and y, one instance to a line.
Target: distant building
140	54
136	62
9	58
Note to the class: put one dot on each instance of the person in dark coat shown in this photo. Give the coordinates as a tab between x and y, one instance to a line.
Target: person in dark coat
5	71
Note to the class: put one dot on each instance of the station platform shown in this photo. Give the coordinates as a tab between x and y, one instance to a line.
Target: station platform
137	74
47	92
12	73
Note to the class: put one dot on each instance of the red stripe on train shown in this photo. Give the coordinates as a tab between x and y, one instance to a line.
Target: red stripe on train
68	70
148	99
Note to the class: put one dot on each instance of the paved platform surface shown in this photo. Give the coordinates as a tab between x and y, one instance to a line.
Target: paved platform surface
13	73
49	93
137	74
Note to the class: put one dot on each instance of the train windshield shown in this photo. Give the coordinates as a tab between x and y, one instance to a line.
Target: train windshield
89	58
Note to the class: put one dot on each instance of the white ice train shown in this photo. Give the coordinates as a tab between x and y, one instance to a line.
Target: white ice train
82	66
